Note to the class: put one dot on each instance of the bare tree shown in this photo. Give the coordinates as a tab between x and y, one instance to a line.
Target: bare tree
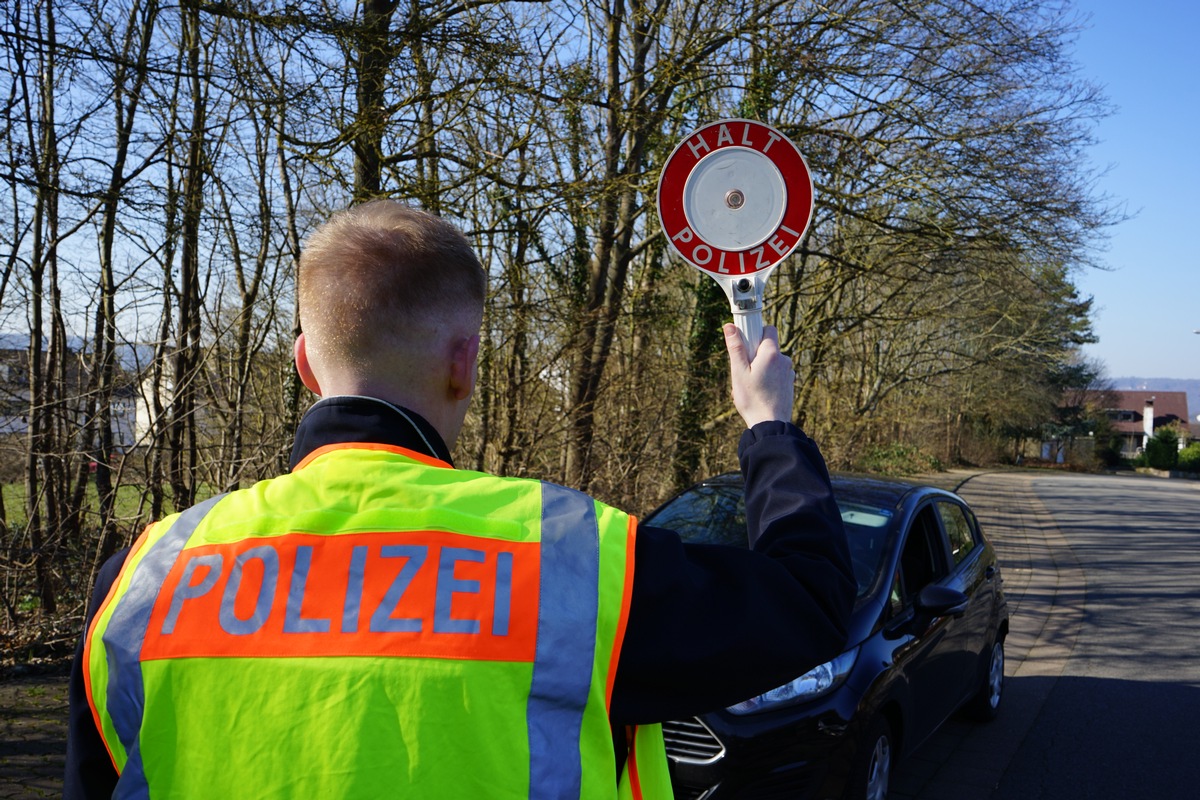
38	75
131	49
191	148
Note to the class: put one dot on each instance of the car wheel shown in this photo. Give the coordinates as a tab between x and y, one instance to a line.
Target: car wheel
985	705
871	772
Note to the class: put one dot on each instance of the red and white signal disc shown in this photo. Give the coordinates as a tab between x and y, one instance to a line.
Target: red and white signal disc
735	197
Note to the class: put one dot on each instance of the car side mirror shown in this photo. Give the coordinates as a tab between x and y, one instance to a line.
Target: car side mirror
930	603
936	601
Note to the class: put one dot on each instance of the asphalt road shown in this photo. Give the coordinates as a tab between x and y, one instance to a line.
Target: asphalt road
1103	673
1121	721
1103	676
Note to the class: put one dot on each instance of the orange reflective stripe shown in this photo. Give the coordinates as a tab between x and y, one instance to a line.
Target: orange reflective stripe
626	598
631	765
423	594
87	639
386	448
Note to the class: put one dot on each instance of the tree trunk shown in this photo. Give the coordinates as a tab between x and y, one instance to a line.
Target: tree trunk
374	59
704	376
184	377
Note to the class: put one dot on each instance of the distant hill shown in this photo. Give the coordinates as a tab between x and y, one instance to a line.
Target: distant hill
1191	386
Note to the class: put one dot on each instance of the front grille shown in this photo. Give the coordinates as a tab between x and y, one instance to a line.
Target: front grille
690	740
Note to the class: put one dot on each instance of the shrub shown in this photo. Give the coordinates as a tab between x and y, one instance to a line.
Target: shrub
896	459
1162	451
1108	451
1189	458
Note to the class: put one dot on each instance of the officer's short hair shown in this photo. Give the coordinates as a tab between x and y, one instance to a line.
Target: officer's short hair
376	273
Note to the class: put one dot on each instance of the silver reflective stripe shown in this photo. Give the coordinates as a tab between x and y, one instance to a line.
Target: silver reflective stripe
123	642
566	641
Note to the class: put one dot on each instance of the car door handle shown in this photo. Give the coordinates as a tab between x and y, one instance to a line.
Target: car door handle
990	573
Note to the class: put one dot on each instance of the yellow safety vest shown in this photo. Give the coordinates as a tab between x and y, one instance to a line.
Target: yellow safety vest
368	624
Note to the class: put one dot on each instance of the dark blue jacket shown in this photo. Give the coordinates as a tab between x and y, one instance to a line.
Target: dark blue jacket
708	625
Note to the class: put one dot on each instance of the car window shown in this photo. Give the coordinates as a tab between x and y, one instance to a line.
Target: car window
923	560
959	530
895	596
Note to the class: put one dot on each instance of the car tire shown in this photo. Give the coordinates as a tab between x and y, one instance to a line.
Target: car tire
871	771
985	705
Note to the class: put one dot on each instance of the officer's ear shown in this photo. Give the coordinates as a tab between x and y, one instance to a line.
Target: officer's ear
307	377
463	368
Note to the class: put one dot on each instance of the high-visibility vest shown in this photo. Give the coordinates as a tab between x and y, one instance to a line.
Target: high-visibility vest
372	621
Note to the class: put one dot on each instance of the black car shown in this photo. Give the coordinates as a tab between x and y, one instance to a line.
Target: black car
926	639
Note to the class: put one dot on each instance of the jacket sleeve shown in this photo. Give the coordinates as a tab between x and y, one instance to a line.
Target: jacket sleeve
709	625
90	773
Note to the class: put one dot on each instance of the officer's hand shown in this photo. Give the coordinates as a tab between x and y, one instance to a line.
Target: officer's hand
763	389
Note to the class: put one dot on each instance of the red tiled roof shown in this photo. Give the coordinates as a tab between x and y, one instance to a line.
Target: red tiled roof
1168	407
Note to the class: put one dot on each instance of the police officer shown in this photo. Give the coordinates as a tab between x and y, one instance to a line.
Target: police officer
377	623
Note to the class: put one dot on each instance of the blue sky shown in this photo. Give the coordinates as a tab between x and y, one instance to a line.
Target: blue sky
1144	55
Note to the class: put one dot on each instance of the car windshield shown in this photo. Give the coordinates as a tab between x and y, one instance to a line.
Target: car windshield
866	533
705	515
716	514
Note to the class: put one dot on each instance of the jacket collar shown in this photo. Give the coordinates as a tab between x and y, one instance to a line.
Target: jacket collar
349	419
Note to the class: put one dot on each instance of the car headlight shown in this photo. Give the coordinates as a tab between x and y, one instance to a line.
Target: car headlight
817	682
